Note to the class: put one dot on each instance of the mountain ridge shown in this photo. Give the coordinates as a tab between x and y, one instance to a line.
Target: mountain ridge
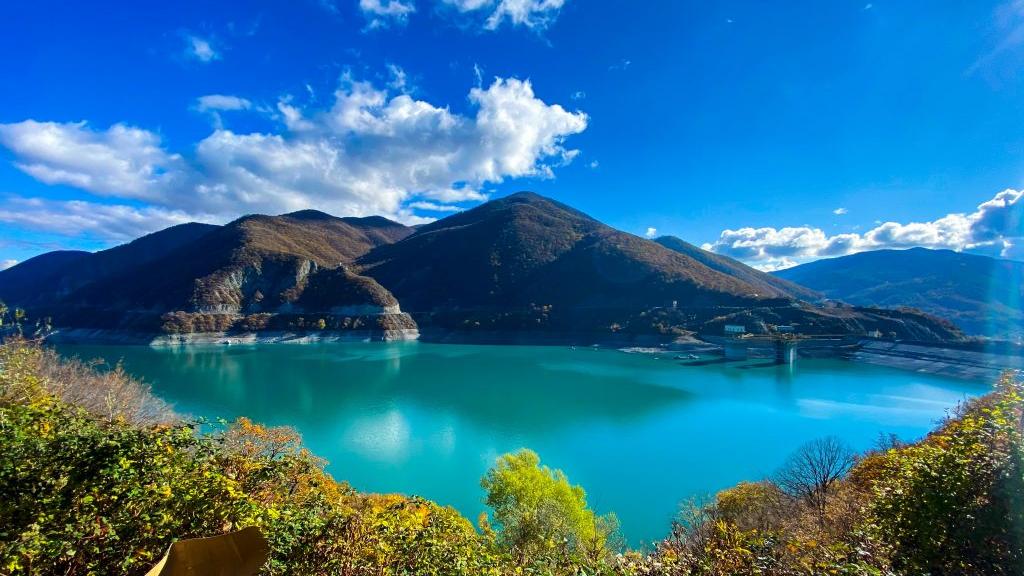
523	263
981	294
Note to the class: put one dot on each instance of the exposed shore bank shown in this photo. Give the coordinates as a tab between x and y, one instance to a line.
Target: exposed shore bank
964	362
120	337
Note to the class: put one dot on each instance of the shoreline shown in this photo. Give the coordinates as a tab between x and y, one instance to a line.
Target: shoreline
943	360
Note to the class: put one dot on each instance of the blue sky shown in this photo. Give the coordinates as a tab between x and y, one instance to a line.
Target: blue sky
773	132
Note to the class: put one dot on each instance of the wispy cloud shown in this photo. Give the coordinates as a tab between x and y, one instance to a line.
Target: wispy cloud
384	13
534	14
434	207
1007	36
200	49
221	102
5	264
840	211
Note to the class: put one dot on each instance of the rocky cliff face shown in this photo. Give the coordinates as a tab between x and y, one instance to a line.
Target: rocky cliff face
257	273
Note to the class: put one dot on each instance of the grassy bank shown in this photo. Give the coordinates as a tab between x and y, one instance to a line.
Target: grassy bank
97	476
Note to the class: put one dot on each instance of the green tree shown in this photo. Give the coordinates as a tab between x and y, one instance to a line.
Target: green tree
541	515
3	312
19	317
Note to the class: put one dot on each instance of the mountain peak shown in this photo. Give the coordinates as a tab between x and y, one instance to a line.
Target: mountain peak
308	214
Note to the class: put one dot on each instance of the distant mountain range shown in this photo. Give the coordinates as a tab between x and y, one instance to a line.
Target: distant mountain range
522	264
981	295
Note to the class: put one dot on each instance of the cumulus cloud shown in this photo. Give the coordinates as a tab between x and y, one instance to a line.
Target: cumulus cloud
651	232
537	14
121	161
994	227
200	49
370	152
382	13
5	264
840	211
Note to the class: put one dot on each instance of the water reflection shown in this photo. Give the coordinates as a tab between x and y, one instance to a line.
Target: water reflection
640	434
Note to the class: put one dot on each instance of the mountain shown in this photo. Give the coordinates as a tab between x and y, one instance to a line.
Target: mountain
63	272
21	281
525	249
528	263
193	276
523	264
764	281
980	294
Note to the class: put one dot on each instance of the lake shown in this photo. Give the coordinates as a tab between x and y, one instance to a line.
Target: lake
639	432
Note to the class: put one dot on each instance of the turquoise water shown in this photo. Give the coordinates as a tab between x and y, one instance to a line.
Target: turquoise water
641	433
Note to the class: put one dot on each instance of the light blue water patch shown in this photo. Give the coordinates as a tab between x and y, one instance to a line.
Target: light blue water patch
641	433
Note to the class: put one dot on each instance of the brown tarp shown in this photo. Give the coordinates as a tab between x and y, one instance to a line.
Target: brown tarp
239	553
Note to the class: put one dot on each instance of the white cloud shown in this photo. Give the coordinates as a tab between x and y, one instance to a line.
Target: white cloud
77	218
621	65
399	79
651	232
579	95
200	49
221	102
840	211
121	161
370	152
381	13
5	264
434	207
538	14
594	164
994	227
774	264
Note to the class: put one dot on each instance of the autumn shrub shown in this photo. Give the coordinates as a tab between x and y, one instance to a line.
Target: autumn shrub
85	493
28	370
954	503
99	477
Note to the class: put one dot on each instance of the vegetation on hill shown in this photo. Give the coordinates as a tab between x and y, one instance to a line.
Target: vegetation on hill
982	295
98	477
526	248
209	277
528	263
522	264
737	269
38	280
